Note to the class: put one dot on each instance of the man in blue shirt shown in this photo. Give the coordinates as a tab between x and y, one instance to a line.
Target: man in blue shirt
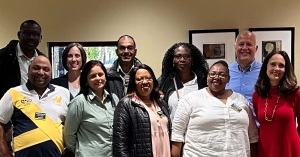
245	70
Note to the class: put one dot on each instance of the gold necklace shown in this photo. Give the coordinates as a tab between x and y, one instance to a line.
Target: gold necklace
266	107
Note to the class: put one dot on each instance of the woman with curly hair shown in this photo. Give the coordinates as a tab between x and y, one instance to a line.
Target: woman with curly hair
141	121
184	69
276	102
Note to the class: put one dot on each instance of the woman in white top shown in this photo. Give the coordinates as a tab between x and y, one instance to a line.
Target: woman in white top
184	69
214	121
73	60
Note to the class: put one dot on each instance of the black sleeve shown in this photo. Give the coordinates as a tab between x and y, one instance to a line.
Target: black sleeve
121	129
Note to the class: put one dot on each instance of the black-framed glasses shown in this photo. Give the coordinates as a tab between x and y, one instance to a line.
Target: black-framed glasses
185	57
220	75
27	34
142	79
123	48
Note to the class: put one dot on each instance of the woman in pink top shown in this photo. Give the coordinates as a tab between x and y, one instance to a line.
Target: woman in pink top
141	125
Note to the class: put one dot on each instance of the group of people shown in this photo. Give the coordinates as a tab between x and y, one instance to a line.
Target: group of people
243	109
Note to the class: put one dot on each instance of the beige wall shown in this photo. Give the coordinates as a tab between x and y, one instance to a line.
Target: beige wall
155	24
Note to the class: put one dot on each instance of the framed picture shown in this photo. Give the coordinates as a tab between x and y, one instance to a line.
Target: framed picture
217	44
102	51
274	39
214	51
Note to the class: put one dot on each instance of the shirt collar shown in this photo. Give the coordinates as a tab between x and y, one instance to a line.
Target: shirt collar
29	86
20	52
193	81
119	69
92	95
250	67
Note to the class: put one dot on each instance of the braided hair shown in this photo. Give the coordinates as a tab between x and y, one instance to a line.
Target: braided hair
199	62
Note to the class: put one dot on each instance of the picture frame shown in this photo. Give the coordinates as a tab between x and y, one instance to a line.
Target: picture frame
215	44
274	39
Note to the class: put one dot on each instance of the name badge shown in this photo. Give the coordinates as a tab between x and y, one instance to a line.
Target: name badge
161	114
236	108
40	116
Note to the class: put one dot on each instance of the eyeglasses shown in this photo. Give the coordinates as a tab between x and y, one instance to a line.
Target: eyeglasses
27	34
185	57
220	75
129	48
142	79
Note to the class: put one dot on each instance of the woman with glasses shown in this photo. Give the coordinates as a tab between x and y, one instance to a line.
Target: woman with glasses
141	120
184	69
276	102
214	121
73	60
88	125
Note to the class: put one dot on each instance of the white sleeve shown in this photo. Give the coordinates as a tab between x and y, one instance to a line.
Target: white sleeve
6	108
181	119
252	130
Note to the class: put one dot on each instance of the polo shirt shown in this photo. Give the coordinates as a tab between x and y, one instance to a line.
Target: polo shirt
37	119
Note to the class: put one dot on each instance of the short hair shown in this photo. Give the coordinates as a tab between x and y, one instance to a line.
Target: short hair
155	94
288	82
66	51
84	87
31	22
128	37
248	33
199	62
222	62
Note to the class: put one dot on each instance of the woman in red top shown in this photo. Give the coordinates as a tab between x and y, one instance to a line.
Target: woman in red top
276	102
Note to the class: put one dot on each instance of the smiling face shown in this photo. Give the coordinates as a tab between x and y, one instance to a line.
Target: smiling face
126	50
275	69
144	83
39	73
217	78
74	60
96	79
182	60
245	47
29	36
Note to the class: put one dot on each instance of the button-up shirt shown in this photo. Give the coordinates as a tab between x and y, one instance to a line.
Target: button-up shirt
211	128
24	63
88	126
243	81
125	77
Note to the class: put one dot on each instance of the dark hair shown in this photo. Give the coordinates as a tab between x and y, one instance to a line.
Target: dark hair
31	22
128	37
155	93
199	62
66	51
84	87
222	62
288	82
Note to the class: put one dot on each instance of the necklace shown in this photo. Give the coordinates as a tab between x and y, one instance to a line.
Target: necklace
266	107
